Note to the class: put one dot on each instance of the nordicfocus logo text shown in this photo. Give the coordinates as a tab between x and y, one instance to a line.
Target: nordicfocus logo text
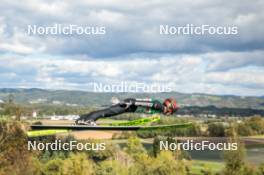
62	29
191	29
198	146
58	145
133	87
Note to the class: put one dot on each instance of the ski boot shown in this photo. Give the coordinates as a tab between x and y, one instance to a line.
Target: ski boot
85	122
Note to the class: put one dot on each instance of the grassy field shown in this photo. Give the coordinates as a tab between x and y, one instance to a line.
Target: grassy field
256	137
197	166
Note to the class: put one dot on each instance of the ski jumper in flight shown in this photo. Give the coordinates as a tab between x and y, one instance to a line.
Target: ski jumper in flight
148	106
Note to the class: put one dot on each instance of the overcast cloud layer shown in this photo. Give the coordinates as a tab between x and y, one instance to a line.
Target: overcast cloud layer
132	49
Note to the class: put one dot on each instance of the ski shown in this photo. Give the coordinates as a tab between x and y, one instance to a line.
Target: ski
134	125
40	133
43	130
142	121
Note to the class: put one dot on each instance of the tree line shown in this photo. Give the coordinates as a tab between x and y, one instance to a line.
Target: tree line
132	159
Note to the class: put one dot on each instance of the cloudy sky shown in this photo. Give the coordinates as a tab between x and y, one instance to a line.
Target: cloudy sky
132	50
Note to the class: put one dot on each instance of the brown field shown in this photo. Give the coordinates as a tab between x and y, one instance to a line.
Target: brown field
57	122
82	135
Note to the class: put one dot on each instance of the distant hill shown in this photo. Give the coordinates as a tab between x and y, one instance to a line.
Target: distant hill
72	97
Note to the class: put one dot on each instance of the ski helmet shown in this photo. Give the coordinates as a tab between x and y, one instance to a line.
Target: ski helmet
171	105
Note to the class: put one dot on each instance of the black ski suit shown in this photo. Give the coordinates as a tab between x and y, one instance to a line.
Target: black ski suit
129	105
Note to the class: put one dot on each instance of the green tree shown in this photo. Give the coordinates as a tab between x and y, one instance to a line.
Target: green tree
256	124
143	165
206	171
216	130
53	167
111	167
167	165
78	164
164	164
244	130
14	156
261	169
235	163
156	146
12	109
134	146
235	159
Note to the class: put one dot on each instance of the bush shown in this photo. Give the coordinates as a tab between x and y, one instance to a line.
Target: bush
78	164
110	167
53	167
244	130
14	156
163	164
216	130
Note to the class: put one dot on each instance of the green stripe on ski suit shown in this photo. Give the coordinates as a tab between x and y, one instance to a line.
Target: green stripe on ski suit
146	110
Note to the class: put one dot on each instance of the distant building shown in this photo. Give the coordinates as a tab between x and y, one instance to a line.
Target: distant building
64	117
56	102
37	101
69	104
34	114
1	104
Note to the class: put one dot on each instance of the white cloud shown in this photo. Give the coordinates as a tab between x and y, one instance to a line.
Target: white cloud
224	61
132	49
183	73
132	27
247	78
19	42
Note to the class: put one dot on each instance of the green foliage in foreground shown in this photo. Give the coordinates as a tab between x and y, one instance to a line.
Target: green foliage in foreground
251	126
205	167
133	159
